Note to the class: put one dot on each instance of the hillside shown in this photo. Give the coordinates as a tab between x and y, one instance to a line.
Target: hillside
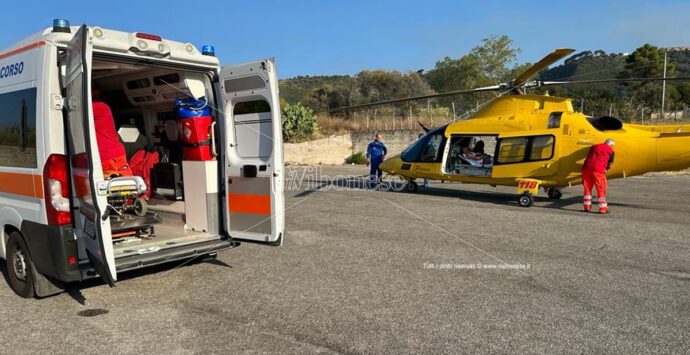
600	65
625	100
586	65
294	89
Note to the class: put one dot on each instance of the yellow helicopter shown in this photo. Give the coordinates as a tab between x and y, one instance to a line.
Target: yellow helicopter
534	141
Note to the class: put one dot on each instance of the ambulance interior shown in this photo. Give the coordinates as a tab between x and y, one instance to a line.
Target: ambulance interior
182	194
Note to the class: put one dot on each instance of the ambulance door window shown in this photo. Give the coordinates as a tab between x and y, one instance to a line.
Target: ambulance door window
253	118
18	128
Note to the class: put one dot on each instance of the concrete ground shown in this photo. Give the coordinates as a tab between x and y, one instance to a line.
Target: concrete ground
388	272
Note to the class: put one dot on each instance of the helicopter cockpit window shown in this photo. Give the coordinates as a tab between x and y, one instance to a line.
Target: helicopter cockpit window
554	120
428	148
431	151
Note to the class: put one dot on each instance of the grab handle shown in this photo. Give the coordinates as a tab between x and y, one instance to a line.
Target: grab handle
213	139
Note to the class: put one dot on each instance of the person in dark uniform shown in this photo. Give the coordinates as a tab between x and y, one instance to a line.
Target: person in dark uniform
376	153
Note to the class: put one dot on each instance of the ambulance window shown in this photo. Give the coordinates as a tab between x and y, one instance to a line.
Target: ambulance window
252	82
242	108
18	128
253	123
512	150
541	148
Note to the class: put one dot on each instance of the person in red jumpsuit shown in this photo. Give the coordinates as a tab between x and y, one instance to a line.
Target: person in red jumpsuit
599	160
113	156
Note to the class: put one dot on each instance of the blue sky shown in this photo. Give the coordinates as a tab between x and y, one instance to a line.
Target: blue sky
344	37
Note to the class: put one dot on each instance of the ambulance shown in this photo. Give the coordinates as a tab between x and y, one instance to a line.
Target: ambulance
62	220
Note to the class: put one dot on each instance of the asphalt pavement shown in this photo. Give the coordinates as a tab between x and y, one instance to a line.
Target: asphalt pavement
450	269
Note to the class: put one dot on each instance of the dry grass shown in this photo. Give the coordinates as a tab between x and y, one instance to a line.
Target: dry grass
329	125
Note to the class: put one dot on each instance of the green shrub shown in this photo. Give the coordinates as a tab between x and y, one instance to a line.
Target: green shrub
357	158
299	122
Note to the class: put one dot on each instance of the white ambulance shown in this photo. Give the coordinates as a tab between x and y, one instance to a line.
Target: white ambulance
59	217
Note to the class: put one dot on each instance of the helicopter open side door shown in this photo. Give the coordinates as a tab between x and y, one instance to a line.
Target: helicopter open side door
519	155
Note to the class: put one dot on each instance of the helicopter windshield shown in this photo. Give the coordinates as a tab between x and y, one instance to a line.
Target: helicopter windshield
427	148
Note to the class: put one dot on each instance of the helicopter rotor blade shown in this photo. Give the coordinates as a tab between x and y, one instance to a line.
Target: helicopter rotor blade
614	80
414	98
549	59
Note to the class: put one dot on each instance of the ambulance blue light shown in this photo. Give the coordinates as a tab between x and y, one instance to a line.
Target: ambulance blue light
61	25
208	50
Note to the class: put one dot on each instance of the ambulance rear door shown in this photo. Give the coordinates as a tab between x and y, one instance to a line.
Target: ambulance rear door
252	152
89	202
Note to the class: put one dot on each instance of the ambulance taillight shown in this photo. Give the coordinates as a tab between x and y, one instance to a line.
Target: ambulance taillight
56	190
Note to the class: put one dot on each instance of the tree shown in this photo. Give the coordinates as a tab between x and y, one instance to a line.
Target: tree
380	85
648	62
455	74
496	56
327	97
489	63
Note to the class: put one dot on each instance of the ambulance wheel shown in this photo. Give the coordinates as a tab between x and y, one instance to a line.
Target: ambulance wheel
411	186
19	266
554	194
140	207
526	200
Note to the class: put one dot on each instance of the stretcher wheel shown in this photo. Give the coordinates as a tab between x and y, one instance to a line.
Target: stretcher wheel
140	207
411	186
554	194
526	200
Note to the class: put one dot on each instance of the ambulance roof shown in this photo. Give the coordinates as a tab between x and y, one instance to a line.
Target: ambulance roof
113	41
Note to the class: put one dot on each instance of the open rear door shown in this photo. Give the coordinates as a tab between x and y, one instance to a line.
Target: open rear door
88	194
252	151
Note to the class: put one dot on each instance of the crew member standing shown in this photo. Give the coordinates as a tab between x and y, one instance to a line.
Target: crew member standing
376	152
599	160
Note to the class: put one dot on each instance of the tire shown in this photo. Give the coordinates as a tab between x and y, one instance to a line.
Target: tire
526	200
19	266
140	207
554	194
411	186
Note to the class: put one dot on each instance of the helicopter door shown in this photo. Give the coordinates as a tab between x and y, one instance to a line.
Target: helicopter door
526	156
